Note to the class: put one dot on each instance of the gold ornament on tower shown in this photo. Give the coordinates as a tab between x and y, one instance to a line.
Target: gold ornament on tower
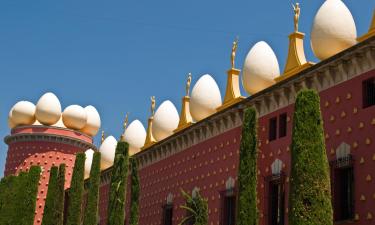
185	116
296	61
125	125
103	137
150	140
371	31
232	93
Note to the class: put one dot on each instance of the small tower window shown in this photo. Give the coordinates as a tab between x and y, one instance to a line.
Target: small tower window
168	214
229	203
368	92
282	125
276	193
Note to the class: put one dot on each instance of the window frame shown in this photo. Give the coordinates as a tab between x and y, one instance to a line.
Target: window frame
368	93
166	207
272	131
276	179
283	130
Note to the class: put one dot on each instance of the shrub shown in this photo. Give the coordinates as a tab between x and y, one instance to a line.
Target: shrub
134	204
197	209
247	213
60	196
310	195
75	194
51	201
91	211
117	192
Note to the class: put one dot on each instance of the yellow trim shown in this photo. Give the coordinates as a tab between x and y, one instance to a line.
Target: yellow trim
232	93
185	116
371	31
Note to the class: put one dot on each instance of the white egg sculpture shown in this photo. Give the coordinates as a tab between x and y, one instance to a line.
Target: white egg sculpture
260	68
11	124
23	113
88	162
205	98
107	150
48	109
74	117
93	121
166	120
333	29
135	135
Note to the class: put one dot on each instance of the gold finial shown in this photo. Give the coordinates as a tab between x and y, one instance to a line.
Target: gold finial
188	83
126	121
153	104
234	49
297	13
103	136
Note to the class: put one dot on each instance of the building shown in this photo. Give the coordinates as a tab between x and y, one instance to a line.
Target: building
199	148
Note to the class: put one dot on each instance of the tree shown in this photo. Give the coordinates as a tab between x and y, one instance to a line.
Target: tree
117	192
26	193
7	198
76	191
91	211
247	213
197	209
60	196
134	204
51	201
310	195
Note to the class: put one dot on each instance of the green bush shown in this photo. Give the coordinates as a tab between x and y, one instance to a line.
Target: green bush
7	197
247	213
50	206
134	204
91	211
60	196
75	195
117	192
197	209
26	192
310	192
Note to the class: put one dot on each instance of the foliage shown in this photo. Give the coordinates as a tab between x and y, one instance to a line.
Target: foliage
91	211
75	195
247	213
310	195
197	209
60	196
117	193
50	206
134	204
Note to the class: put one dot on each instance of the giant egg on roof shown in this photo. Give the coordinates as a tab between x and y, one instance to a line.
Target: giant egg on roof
107	150
88	162
93	121
135	135
74	117
333	29
166	120
260	68
48	109
11	124
205	98
23	113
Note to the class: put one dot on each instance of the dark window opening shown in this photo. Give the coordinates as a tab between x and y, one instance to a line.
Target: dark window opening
282	125
343	192
229	210
368	92
276	203
168	214
272	129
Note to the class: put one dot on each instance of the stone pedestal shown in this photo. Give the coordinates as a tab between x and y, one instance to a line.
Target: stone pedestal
185	116
232	93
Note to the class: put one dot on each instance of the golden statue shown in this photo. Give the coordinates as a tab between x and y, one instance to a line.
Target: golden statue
126	121
153	105
188	83
102	137
234	49
297	13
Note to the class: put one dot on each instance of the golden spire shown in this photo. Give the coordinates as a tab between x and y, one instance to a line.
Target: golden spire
371	31
232	93
150	140
296	61
185	116
125	124
103	137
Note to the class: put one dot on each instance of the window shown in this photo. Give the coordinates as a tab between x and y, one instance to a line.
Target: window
282	125
229	209
368	92
343	189
276	202
272	129
168	214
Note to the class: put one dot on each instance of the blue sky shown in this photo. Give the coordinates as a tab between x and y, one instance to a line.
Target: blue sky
115	54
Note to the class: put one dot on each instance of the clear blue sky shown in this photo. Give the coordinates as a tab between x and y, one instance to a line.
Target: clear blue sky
115	54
